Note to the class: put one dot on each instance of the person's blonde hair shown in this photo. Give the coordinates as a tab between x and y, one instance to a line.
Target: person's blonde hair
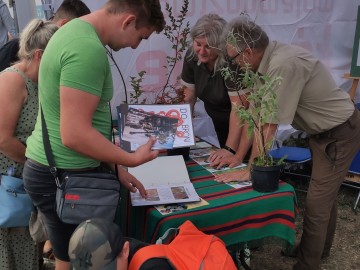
35	36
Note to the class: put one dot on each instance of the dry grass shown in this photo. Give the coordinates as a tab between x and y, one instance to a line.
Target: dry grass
345	253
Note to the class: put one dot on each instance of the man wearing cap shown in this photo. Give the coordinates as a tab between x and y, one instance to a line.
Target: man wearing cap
99	244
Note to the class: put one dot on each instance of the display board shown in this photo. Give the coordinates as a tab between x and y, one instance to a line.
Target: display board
355	61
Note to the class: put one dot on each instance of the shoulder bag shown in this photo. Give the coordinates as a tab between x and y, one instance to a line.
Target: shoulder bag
82	195
15	204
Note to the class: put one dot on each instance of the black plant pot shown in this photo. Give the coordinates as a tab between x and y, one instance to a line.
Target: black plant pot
265	179
184	151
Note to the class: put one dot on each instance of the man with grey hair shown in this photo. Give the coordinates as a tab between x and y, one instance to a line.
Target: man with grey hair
308	99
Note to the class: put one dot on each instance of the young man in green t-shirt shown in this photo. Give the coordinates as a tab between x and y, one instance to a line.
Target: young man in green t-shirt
75	87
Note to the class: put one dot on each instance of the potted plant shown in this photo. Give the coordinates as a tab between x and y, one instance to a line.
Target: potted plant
264	171
171	92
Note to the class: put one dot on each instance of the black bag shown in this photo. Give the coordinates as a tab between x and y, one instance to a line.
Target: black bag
82	195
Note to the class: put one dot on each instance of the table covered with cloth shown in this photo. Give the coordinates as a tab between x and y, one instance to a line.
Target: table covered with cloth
240	217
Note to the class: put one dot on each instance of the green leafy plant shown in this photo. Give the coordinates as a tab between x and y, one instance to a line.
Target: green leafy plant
176	32
262	99
262	107
136	86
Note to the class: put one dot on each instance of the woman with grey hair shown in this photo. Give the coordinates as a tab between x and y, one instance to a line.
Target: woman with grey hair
18	111
201	72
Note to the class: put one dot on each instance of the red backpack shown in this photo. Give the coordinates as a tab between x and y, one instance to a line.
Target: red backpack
191	249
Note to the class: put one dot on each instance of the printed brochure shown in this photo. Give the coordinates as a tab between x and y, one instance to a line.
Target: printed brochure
171	125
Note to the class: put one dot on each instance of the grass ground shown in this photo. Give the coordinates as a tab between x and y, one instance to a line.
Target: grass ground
345	253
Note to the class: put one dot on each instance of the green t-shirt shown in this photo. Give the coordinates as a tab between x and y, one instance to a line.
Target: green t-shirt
75	58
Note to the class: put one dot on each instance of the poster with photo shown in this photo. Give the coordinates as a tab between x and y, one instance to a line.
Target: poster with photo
171	125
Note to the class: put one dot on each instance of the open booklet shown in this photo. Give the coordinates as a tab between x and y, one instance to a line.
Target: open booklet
171	125
166	180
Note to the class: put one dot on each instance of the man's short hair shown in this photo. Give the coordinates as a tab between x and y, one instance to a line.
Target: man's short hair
147	12
71	9
95	244
247	34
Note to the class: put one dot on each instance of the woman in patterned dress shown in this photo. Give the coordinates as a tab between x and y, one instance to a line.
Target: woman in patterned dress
18	112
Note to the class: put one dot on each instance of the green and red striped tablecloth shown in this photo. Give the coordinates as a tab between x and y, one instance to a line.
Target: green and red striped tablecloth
238	216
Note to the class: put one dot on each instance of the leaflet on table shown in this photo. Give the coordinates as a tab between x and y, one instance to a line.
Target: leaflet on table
235	183
201	144
215	171
202	152
171	125
240	184
166	181
167	209
201	156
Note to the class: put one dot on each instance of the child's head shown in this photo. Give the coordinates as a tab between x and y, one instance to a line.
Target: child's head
98	244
